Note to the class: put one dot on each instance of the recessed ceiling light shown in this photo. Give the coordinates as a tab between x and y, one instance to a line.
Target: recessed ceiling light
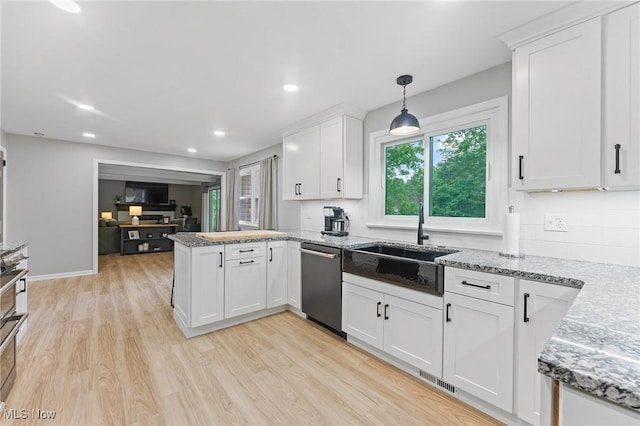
86	107
218	133
192	150
89	135
66	5
290	88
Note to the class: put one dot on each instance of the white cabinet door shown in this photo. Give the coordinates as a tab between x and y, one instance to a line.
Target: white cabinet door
198	284
540	308
294	289
557	110
245	286
331	158
478	348
301	175
362	314
622	99
413	333
276	273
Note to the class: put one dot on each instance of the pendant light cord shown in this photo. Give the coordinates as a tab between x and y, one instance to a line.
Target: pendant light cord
404	96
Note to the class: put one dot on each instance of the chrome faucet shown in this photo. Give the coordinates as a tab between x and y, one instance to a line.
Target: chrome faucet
421	236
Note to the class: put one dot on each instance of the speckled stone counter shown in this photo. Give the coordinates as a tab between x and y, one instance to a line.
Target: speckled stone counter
190	239
596	347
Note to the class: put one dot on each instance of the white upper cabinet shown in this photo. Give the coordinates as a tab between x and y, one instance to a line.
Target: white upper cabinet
576	95
557	110
301	153
322	156
621	168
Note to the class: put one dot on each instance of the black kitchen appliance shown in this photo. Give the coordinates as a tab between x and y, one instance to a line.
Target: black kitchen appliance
335	222
322	285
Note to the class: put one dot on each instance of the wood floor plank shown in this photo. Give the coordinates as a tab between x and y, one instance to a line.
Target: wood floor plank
104	349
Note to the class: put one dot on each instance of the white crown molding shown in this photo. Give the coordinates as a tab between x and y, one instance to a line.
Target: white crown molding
340	109
567	16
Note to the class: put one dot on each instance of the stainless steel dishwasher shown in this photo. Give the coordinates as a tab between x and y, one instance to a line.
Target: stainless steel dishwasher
322	285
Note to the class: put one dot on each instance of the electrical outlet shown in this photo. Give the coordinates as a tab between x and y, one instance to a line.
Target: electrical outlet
555	222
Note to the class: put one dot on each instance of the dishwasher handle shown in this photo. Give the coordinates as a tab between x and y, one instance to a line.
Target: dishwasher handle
319	253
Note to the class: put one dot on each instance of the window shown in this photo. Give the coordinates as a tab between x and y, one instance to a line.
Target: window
457	167
249	195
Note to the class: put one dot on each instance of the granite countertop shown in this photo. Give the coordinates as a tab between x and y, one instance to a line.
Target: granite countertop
596	347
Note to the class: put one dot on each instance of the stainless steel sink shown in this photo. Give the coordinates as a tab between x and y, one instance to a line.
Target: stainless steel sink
396	264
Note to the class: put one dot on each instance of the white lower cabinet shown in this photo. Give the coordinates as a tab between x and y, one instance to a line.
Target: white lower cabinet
245	282
578	408
478	348
410	331
199	284
276	273
294	281
540	308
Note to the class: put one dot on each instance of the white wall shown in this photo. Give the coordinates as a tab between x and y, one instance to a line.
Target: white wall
602	226
50	197
288	211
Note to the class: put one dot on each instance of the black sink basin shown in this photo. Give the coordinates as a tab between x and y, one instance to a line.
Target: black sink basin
405	252
399	265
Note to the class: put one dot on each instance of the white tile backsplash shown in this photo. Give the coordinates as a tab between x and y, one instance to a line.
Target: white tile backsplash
602	226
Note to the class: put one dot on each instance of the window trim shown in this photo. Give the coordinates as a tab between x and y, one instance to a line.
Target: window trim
249	170
495	114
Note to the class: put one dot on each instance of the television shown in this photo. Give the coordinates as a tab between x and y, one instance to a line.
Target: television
146	193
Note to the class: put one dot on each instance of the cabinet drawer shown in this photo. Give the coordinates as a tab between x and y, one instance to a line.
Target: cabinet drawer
245	250
490	287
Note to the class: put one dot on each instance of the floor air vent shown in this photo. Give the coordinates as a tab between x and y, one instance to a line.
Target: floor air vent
433	379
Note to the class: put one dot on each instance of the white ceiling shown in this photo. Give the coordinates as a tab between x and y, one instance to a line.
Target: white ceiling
164	75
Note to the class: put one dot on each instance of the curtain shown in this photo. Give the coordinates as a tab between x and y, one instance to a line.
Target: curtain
268	210
232	213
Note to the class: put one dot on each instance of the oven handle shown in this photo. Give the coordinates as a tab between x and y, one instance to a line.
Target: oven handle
13	281
319	253
14	331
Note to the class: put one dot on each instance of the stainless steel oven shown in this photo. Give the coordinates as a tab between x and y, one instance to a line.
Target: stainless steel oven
10	323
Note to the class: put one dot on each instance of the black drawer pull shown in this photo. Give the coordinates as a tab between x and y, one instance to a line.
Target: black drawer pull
386	313
378	314
270	254
338	184
220	265
447	318
24	285
246	251
486	287
526	300
247	262
617	147
520	158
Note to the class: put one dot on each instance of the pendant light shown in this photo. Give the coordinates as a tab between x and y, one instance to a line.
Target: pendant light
405	123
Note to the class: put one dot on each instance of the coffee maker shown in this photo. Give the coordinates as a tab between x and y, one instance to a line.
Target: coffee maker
334	222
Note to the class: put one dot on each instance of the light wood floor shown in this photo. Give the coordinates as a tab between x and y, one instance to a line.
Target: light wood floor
104	350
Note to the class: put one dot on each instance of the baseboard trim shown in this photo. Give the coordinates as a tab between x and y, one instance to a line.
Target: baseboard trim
61	275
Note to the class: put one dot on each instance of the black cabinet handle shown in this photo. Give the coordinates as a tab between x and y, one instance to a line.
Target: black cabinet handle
520	158
447	318
526	300
617	147
338	185
270	254
378	309
486	287
220	260
246	251
24	285
386	313
246	263
299	189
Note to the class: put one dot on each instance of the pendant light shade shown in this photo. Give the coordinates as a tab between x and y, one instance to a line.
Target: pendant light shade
405	123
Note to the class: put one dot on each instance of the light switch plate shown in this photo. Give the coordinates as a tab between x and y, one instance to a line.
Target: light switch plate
555	222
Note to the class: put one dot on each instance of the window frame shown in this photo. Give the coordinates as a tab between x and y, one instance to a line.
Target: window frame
255	200
494	114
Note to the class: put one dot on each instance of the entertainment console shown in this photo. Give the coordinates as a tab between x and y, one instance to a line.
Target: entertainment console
146	238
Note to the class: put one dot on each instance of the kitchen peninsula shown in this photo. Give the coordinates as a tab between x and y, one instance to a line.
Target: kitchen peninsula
229	279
